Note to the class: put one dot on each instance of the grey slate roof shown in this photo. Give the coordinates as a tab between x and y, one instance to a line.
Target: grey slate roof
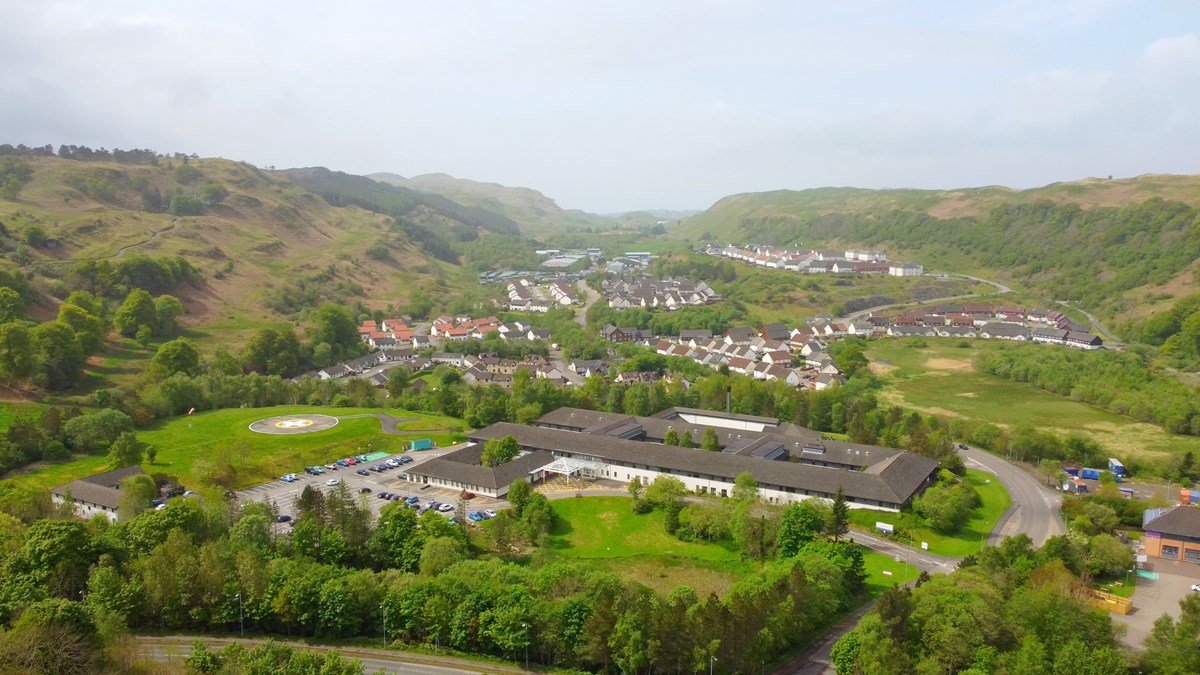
463	466
892	484
1181	521
101	489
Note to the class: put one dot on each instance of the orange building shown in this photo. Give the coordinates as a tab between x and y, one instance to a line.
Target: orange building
1175	535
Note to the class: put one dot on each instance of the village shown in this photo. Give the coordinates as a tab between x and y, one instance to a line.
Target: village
815	261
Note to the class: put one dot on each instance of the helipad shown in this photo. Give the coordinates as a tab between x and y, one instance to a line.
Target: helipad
294	424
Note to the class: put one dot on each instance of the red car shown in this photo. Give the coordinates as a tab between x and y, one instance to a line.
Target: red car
351	461
467	495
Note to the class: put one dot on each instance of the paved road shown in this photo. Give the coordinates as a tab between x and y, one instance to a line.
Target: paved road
1035	508
175	649
388	424
1000	288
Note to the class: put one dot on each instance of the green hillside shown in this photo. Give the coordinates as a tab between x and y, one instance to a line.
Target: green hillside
1122	248
266	248
534	212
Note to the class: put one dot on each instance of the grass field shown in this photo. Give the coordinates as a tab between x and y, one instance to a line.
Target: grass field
183	441
878	563
969	539
943	379
606	533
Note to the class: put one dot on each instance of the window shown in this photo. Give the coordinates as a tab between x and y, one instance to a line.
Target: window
1171	552
1191	555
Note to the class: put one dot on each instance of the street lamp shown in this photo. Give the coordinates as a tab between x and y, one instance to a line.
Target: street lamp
241	616
383	609
526	627
711	660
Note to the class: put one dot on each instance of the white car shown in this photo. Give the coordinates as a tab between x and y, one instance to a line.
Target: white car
332	481
1196	587
489	513
446	508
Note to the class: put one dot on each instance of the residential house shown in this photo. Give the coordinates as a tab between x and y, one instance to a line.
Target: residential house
99	494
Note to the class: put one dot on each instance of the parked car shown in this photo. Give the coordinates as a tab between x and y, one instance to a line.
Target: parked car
413	505
489	513
309	470
1196	588
413	499
319	470
332	481
474	517
393	462
332	466
284	518
467	495
189	493
404	476
361	458
394	498
446	508
962	446
364	491
289	478
384	495
405	459
350	460
342	462
363	472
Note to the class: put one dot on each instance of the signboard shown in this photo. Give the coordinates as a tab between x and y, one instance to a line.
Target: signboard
1142	558
924	546
885	527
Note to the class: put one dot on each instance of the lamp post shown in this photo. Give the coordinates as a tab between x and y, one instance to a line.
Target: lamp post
241	616
383	610
712	659
526	627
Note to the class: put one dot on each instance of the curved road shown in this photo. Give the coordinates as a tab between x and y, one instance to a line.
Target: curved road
1000	288
388	424
1099	327
1034	511
176	648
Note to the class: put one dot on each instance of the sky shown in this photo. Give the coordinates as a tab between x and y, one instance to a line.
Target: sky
614	106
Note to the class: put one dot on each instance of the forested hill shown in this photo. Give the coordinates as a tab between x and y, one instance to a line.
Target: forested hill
265	247
1112	245
534	212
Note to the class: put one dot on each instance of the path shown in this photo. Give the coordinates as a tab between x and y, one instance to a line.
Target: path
174	649
388	424
121	251
1000	288
592	297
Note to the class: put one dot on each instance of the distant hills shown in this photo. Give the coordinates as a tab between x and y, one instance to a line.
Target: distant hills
535	213
1123	248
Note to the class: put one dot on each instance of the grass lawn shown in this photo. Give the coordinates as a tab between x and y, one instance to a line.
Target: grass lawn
181	441
878	563
942	379
11	411
607	533
967	540
1122	585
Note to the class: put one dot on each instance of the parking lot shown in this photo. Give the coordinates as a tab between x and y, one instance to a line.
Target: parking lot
1154	598
283	494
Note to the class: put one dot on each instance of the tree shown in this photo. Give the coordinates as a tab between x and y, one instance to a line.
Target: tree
710	441
397	381
666	490
685	441
18	353
177	356
15	173
89	330
136	311
1107	556
213	194
11	304
497	451
519	493
745	488
96	430
635	488
126	450
137	492
671	437
273	351
58	356
168	309
800	523
439	554
839	517
333	324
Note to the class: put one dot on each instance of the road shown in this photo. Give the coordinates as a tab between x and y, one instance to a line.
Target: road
1035	508
1000	288
557	358
175	649
1034	511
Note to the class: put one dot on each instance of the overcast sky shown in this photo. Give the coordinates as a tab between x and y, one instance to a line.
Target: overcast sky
612	106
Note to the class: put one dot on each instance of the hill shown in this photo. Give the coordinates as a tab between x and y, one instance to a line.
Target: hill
534	212
266	246
1122	248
